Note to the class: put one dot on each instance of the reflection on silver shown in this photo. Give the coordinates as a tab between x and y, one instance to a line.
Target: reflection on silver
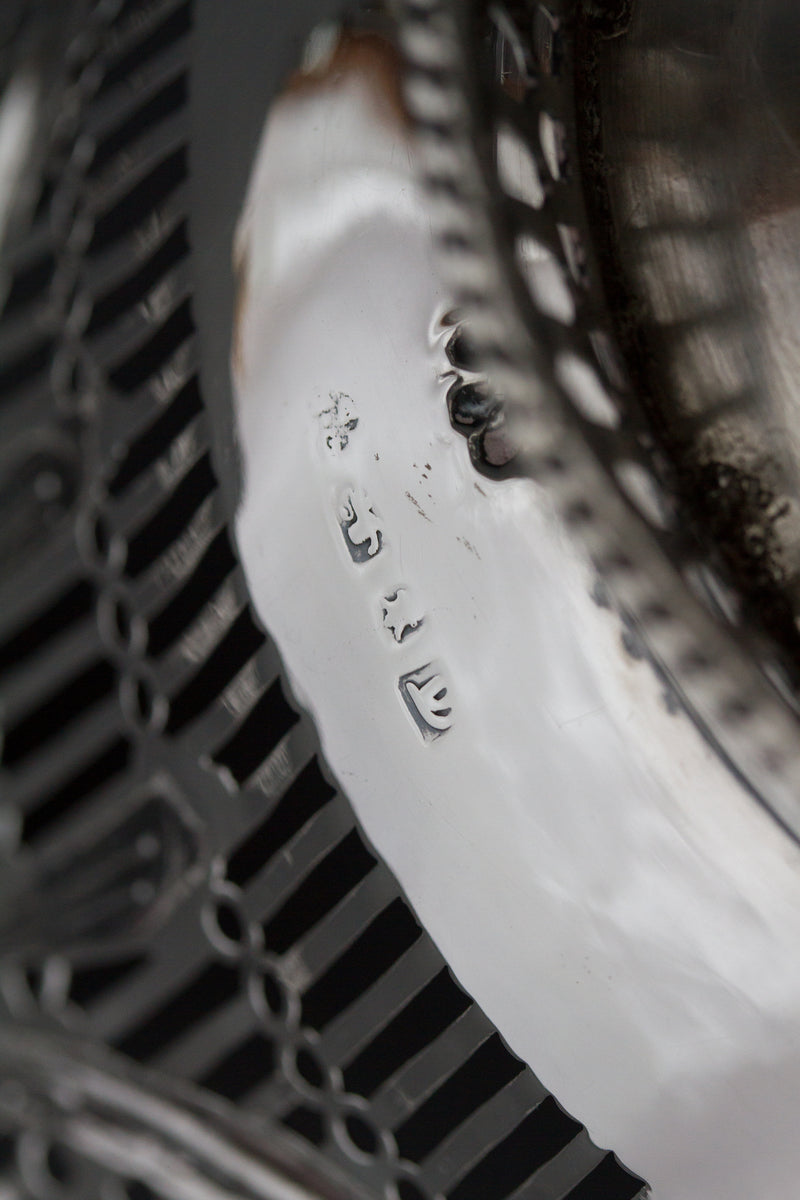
18	118
563	820
110	887
594	872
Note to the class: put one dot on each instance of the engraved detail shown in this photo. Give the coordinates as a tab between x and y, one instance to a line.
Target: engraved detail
360	526
424	692
398	615
338	422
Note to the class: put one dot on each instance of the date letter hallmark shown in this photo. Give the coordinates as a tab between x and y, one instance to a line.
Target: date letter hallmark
424	693
360	526
399	617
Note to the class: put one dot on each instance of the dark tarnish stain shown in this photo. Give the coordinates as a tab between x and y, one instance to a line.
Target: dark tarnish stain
633	645
730	485
600	594
418	507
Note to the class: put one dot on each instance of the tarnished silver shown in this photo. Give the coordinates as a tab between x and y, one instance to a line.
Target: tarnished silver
549	370
698	114
565	811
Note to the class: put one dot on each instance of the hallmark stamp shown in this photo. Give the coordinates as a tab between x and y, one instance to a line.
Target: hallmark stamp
338	422
400	618
424	693
360	526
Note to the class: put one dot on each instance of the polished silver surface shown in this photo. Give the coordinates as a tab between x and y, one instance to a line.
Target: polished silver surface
194	922
592	869
515	765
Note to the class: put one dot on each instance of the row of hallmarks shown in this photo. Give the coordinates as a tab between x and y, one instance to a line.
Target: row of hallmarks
424	690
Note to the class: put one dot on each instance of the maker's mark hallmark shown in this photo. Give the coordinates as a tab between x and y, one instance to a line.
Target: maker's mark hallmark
424	692
360	526
399	617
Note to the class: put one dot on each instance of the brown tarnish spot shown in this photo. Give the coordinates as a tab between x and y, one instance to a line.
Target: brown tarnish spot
372	57
418	507
377	61
468	546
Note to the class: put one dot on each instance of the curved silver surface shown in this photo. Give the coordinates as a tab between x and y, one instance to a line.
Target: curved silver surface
578	799
697	152
597	877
